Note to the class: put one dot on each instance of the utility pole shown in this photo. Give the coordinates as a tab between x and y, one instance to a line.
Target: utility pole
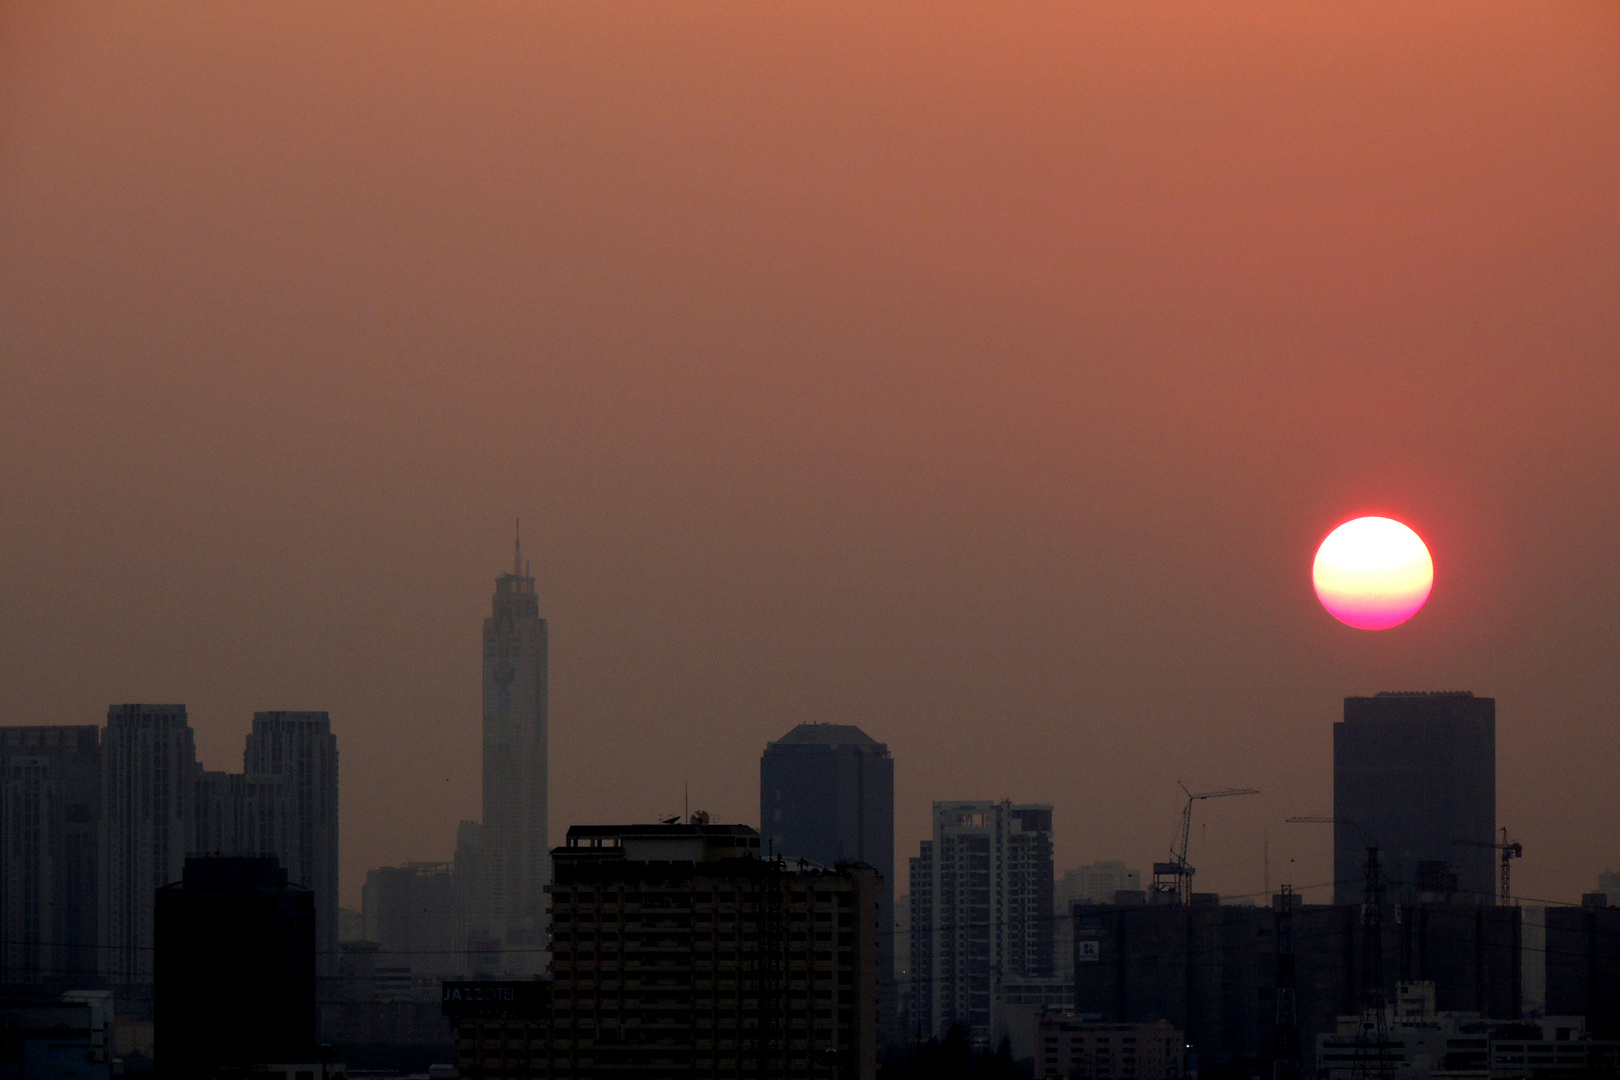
1372	1033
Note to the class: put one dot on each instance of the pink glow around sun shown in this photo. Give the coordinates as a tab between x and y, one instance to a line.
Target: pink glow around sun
1373	573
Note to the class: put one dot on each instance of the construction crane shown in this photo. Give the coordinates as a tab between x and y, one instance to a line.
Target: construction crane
1509	852
1172	881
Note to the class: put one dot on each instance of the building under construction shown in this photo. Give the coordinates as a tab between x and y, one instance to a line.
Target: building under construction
1211	969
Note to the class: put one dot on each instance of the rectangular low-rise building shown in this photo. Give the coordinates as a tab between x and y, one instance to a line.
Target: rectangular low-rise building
1073	1046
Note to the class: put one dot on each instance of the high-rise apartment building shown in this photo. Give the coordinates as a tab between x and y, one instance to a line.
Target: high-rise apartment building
148	822
981	911
241	814
826	794
680	952
50	796
1413	774
298	752
514	848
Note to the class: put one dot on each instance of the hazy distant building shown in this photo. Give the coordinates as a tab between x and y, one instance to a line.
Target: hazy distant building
50	795
1100	882
467	876
514	846
299	750
1413	774
148	803
241	814
826	794
1609	885
284	803
235	968
981	912
410	913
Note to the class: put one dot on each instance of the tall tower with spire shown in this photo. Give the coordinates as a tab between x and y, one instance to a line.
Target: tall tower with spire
515	860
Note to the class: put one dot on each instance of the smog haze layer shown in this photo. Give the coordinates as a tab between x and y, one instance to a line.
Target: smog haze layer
984	376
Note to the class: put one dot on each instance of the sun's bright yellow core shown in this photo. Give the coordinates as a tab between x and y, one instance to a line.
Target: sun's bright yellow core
1373	573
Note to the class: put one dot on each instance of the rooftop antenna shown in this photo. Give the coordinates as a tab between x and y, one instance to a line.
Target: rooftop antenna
517	547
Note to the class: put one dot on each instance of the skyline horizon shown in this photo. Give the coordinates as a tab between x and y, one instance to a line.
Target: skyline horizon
349	889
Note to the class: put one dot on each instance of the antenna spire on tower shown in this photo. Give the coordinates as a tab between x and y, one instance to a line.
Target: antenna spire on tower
517	547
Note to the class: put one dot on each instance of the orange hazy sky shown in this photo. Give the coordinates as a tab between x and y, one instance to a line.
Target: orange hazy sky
983	375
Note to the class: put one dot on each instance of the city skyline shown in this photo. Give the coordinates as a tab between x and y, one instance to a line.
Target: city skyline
1350	837
984	379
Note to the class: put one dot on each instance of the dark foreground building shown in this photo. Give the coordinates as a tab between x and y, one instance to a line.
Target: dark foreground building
1211	969
1414	774
1583	967
234	970
678	951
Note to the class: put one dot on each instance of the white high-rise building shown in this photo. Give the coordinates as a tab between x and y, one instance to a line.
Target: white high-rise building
981	912
515	849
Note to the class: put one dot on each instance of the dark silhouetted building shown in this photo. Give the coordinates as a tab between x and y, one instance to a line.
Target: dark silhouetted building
50	797
502	1029
826	794
66	1039
678	951
1583	966
981	912
234	973
1210	969
1068	1045
148	822
1413	774
300	751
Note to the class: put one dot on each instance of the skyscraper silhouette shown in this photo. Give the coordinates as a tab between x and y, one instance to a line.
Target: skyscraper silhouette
148	814
1413	773
300	750
514	856
826	793
50	792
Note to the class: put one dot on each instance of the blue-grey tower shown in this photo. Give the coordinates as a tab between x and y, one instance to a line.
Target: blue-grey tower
826	794
516	853
1414	774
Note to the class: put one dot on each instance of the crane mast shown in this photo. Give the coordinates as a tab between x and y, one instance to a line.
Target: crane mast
1509	852
1172	881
